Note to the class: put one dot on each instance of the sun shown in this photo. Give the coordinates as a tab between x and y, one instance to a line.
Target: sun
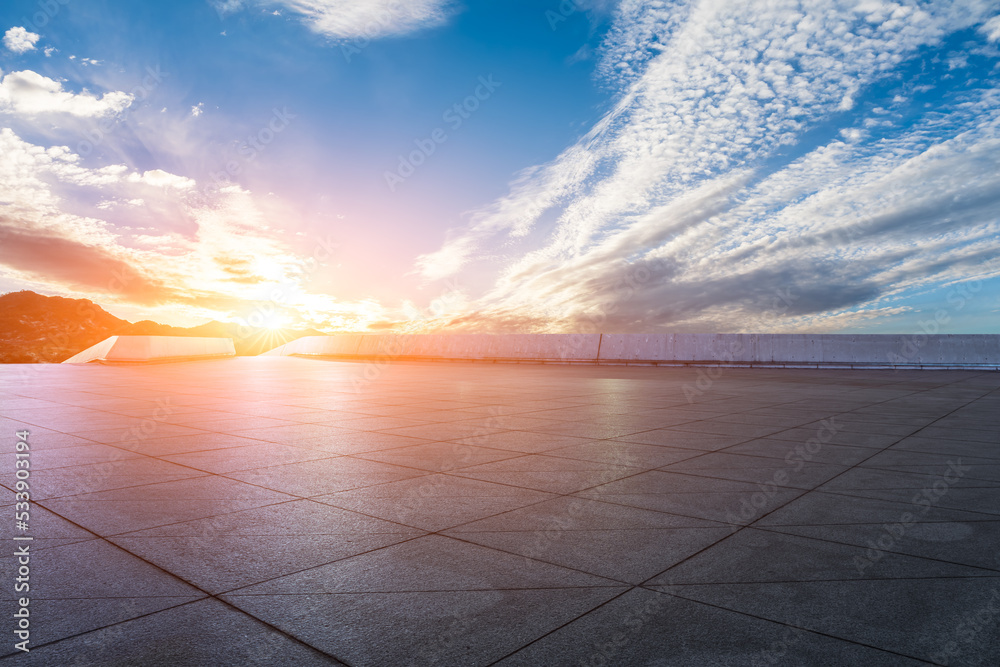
276	323
274	320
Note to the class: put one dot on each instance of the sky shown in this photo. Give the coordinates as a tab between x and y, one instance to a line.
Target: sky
526	166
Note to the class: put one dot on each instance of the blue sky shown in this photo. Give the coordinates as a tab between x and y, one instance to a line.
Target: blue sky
615	166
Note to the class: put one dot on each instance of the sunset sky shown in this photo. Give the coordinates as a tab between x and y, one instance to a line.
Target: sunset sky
419	165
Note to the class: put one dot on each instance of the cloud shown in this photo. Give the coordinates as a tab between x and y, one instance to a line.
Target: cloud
991	29
162	179
708	178
92	231
761	166
111	203
69	263
29	93
197	109
358	19
19	40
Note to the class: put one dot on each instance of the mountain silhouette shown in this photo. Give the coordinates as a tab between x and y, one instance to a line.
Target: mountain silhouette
49	329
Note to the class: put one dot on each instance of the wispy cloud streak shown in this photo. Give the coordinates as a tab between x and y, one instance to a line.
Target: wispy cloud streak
722	161
357	19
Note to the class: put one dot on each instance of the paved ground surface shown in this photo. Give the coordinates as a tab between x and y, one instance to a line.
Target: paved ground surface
292	512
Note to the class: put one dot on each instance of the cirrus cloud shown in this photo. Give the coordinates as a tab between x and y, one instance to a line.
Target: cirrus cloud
732	168
358	19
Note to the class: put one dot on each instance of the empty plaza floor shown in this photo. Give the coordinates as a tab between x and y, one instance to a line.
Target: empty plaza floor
285	511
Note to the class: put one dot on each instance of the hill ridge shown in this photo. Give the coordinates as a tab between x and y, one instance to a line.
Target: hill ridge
35	328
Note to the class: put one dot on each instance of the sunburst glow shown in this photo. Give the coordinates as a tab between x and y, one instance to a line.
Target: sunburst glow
638	166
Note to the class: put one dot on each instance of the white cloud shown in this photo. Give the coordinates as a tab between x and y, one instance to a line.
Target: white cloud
108	204
991	29
358	19
19	40
26	173
851	133
162	179
220	257
666	182
30	93
198	109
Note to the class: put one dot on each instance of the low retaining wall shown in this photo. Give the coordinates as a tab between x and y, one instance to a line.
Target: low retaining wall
565	348
138	349
978	351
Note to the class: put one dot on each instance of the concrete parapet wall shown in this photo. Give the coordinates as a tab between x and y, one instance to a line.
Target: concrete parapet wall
94	352
775	350
132	349
889	350
321	345
527	347
862	350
